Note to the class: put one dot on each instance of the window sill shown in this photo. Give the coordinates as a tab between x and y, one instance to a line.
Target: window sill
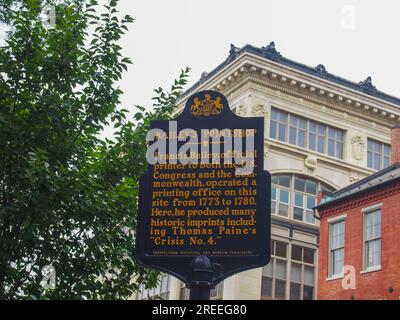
335	277
372	269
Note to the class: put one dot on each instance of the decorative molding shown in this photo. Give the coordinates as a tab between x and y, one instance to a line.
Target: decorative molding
360	200
258	110
353	179
241	110
311	162
357	147
366	86
270	52
321	70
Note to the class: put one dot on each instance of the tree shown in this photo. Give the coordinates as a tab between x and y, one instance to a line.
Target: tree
68	198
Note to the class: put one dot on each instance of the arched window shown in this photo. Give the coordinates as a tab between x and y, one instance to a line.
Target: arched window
294	196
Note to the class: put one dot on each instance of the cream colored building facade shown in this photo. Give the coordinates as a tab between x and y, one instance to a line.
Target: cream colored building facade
321	131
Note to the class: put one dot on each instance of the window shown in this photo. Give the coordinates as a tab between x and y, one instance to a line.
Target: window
302	273
372	239
159	292
216	293
378	155
164	287
306	133
297	132
336	243
184	292
278	125
273	285
335	143
280	283
294	197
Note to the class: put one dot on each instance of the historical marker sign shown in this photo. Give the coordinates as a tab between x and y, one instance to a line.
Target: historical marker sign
205	192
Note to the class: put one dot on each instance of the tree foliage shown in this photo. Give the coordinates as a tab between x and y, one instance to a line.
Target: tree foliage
68	198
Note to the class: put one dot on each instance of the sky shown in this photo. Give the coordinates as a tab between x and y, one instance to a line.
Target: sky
353	39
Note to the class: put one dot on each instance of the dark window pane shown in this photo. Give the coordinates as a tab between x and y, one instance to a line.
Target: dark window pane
266	287
274	114
312	141
298	200
369	145
331	133
296	253
308	255
295	290
284	196
274	179
282	132
311	202
311	187
313	127
377	161
339	150
370	164
308	293
302	124
273	193
280	249
272	130
283	210
386	150
321	144
331	147
299	184
292	135
284	180
283	117
386	162
298	214
302	139
280	289
339	136
377	147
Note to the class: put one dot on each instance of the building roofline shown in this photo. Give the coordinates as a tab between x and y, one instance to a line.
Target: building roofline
357	183
270	53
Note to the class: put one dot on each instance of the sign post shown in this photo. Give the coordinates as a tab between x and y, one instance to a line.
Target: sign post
204	202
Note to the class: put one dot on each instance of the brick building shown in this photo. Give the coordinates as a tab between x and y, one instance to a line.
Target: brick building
360	236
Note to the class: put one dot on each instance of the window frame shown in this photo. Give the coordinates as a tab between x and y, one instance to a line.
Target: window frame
340	219
273	277
365	212
303	264
381	154
307	131
289	261
292	197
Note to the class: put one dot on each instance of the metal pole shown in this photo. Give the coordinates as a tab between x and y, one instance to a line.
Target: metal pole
200	278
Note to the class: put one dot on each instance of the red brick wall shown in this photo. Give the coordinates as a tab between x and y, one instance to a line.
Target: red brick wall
373	285
395	145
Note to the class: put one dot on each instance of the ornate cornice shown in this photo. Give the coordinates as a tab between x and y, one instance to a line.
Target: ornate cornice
266	63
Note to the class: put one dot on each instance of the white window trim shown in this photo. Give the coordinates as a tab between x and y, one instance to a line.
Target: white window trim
371	269
337	275
364	212
372	208
337	218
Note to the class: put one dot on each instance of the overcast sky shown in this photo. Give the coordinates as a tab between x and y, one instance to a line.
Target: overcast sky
353	39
